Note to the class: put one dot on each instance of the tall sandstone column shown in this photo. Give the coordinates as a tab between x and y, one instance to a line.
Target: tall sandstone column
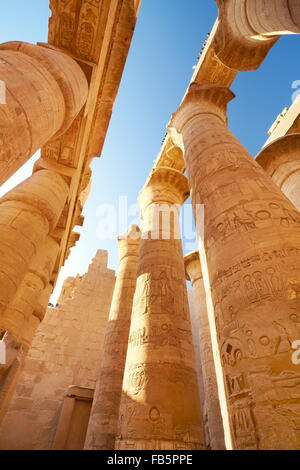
24	314
103	423
250	269
160	403
212	403
44	89
28	214
22	307
249	28
281	160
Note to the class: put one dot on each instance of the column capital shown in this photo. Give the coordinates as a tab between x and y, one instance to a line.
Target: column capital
203	98
282	151
192	266
164	186
281	160
129	244
66	72
248	29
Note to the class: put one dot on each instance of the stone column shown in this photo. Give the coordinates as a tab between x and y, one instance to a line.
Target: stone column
281	160
212	402
25	303
43	302
45	90
160	404
103	423
249	28
9	372
28	214
23	315
251	273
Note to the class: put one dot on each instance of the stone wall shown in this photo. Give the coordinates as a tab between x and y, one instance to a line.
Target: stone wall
66	351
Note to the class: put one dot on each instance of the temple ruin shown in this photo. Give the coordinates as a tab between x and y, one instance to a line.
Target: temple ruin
139	359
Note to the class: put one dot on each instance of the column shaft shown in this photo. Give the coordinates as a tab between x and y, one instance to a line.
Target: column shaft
103	423
20	319
160	404
18	314
251	273
28	214
212	401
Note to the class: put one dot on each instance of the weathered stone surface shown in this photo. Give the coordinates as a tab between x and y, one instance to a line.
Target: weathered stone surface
213	422
28	214
60	96
45	90
98	36
249	28
69	288
250	271
281	160
103	423
160	404
19	311
196	343
24	314
65	351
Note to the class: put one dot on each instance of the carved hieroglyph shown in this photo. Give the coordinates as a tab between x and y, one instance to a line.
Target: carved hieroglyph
160	404
97	34
249	28
45	90
198	362
212	403
281	160
65	351
102	428
250	270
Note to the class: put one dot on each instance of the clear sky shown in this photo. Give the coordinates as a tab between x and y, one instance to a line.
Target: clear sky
168	38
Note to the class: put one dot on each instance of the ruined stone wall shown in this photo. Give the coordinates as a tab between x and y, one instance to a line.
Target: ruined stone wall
65	351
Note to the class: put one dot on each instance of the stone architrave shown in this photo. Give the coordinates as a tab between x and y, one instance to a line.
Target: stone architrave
44	91
281	160
250	258
103	423
211	396
249	28
160	403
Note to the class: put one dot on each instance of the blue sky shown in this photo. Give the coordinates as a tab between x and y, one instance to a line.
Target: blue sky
168	38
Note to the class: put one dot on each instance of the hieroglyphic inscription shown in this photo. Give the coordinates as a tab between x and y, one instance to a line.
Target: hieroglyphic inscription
163	335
